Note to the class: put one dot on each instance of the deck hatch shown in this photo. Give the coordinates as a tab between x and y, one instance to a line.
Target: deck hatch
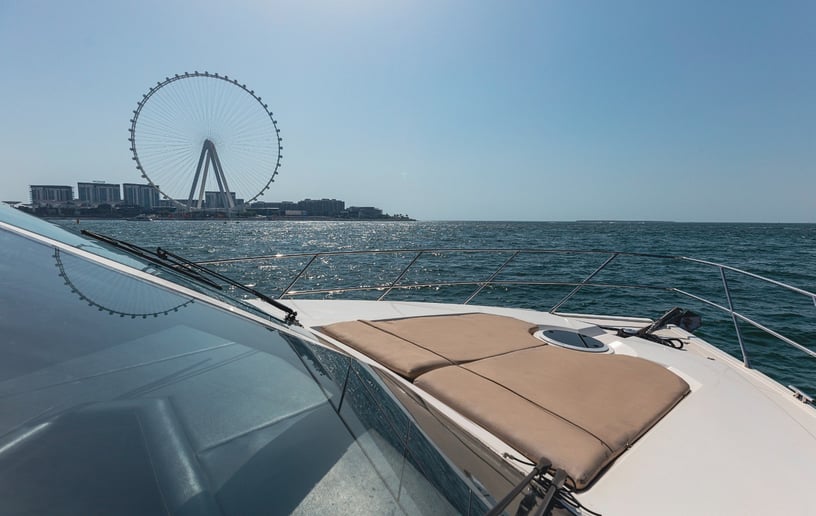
571	339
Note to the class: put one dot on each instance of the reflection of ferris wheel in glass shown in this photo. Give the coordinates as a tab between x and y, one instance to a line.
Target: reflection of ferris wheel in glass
114	293
205	140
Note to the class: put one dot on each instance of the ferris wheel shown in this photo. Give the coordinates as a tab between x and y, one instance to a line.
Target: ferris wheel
204	140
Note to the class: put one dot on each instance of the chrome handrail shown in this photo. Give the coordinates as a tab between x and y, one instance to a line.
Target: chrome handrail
734	319
581	285
492	280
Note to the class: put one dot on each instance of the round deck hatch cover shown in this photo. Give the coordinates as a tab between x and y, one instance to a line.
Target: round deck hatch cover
571	339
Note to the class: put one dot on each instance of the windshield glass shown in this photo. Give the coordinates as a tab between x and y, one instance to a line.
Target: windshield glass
66	234
69	235
128	398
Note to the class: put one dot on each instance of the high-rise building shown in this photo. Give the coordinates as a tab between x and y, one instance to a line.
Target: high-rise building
216	200
99	192
322	207
51	194
145	196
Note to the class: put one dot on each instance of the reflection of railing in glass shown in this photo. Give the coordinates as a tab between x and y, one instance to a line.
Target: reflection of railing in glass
117	297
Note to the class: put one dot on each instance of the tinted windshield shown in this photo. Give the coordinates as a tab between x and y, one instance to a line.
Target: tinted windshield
128	398
70	235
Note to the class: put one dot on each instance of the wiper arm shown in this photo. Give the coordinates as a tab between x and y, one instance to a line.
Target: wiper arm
183	263
150	256
192	270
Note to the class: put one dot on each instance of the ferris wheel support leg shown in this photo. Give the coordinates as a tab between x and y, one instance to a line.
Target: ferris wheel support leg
201	190
221	178
197	174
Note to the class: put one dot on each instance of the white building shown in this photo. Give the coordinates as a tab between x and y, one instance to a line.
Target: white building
145	196
99	192
51	194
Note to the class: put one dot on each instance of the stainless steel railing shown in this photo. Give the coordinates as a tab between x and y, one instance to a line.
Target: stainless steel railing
414	257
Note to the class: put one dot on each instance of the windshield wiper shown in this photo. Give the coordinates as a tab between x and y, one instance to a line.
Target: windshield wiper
183	263
165	258
148	255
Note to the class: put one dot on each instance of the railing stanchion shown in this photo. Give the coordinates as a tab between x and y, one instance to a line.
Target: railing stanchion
489	280
581	285
745	359
299	274
399	278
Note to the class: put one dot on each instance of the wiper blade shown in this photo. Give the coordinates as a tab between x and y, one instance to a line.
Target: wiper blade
150	256
165	258
184	263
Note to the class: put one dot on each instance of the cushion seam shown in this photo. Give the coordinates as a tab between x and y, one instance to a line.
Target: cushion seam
548	411
371	324
368	323
557	416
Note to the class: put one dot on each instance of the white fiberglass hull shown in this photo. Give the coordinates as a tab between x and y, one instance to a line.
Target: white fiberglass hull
739	443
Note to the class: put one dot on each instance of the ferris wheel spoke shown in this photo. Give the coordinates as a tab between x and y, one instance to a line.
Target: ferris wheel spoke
251	127
223	105
168	163
237	116
163	126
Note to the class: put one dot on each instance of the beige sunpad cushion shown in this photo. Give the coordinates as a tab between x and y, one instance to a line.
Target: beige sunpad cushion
579	410
616	398
523	425
399	355
464	337
412	346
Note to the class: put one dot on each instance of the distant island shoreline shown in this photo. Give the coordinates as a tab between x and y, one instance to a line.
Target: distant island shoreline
290	218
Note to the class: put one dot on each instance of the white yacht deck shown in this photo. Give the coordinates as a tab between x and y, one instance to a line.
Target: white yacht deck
721	441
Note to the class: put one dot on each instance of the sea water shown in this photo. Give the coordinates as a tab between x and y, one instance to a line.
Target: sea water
783	252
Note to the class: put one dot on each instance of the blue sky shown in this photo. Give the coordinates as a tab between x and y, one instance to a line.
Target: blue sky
446	110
